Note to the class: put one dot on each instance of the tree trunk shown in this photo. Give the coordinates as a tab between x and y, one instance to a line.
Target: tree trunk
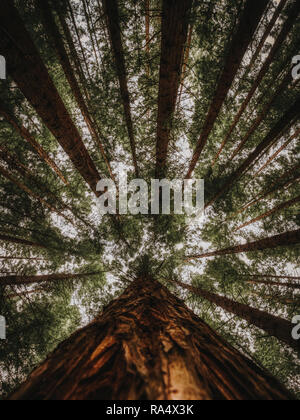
24	133
113	22
285	83
275	187
32	194
186	59
32	77
266	34
275	283
277	209
249	21
290	116
175	20
53	32
277	153
272	325
266	66
28	280
23	258
284	239
147	345
20	241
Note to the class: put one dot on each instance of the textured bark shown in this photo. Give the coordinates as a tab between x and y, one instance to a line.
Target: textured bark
277	209
19	241
272	325
175	19
291	115
54	35
294	13
32	194
284	239
147	345
32	77
113	22
277	153
253	11
25	134
51	278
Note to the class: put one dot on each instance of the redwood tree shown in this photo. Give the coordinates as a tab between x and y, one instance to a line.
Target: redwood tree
147	345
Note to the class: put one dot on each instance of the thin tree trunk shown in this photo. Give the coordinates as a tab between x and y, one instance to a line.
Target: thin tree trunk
268	276
266	66
253	11
273	283
32	77
266	34
290	116
284	239
272	325
147	345
25	134
22	258
32	194
277	153
274	188
175	20
277	209
53	32
147	29
78	37
51	278
113	22
186	59
85	8
19	241
287	80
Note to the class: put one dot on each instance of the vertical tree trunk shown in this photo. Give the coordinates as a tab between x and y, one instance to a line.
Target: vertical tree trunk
281	125
32	77
272	325
50	278
25	134
113	22
53	31
175	20
284	239
147	345
266	66
253	11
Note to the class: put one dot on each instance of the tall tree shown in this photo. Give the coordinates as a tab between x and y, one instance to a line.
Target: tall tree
26	135
292	17
252	13
54	34
32	77
19	241
272	325
49	278
109	359
284	239
291	115
113	22
277	209
175	20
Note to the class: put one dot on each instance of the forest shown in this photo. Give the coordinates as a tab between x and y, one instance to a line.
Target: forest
149	306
